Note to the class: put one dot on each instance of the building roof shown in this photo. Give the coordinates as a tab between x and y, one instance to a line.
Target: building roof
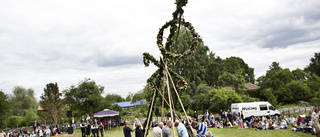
39	108
251	86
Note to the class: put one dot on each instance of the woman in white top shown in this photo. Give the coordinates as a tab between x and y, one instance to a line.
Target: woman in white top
40	133
283	124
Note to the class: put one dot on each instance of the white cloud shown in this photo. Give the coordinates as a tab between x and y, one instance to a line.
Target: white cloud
67	41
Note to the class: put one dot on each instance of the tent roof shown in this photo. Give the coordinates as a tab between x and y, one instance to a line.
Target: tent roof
106	113
128	104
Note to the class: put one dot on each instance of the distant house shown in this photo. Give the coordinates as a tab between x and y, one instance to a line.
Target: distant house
39	108
251	86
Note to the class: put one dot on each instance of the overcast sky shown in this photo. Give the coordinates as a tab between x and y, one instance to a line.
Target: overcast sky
65	41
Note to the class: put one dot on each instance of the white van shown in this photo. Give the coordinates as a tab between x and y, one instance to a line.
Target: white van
254	109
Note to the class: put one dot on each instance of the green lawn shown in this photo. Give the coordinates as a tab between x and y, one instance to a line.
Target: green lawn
116	132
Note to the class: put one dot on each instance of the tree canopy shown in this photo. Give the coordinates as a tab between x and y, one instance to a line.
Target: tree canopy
21	100
51	101
314	66
85	98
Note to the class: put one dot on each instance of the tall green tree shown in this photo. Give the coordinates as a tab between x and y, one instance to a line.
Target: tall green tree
235	80
113	98
222	99
275	77
300	75
21	100
85	98
237	66
51	101
314	66
5	109
30	117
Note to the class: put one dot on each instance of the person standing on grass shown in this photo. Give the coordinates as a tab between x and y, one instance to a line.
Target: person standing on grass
127	130
240	122
315	120
83	129
166	132
138	131
157	131
181	129
196	115
73	122
35	126
101	128
88	128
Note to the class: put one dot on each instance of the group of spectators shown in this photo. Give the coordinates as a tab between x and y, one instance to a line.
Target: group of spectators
306	123
38	131
88	126
163	129
18	133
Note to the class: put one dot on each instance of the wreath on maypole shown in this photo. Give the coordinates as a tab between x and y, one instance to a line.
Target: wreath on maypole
167	56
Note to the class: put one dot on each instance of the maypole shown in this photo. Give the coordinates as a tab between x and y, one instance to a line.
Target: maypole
169	59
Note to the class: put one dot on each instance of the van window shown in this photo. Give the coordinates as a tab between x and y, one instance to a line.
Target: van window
271	108
263	107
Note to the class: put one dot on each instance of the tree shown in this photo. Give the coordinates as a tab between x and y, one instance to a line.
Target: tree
85	98
314	66
236	65
268	94
276	77
5	109
30	117
222	99
21	100
300	75
113	98
138	96
235	80
293	92
51	101
14	121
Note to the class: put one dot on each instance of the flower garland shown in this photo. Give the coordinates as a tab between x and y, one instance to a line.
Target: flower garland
173	57
182	85
151	86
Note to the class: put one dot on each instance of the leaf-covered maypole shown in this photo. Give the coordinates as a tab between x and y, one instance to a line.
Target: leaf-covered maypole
168	57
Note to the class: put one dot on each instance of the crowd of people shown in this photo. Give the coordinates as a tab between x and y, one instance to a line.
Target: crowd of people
89	127
162	129
306	123
38	131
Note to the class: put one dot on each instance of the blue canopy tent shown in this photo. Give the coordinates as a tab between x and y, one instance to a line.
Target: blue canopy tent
128	104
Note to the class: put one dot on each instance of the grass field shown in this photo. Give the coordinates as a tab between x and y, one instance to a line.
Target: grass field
116	132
